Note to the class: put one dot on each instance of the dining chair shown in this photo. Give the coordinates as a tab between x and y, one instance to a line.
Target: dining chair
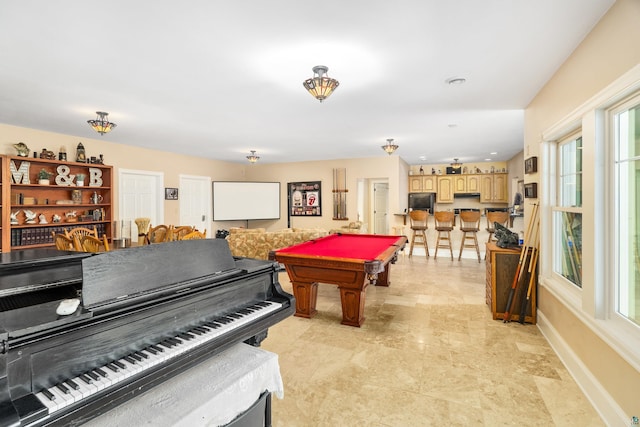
158	234
64	243
195	235
78	232
93	244
177	233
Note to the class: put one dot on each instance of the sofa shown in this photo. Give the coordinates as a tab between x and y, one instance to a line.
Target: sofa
257	242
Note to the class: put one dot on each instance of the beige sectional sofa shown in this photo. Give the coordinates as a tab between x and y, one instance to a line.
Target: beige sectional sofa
257	242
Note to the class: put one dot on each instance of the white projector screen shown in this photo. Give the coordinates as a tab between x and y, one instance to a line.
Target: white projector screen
245	200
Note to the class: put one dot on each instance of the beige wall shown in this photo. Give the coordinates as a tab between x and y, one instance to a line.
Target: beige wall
609	51
124	157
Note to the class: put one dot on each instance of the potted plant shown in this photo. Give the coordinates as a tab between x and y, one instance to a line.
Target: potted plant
80	179
44	177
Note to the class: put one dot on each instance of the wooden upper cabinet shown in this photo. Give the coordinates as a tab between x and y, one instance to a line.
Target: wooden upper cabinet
422	184
460	183
473	183
493	188
415	184
429	184
445	189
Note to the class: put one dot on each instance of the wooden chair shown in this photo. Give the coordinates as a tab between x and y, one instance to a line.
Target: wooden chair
92	244
158	234
78	232
195	234
64	243
444	226
177	233
501	218
469	225
419	220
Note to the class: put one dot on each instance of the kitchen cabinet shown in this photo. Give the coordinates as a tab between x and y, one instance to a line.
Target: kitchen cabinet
445	189
422	184
32	211
493	188
464	184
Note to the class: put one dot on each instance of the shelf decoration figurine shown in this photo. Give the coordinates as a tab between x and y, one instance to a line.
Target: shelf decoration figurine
44	177
43	219
14	218
56	218
31	216
71	216
23	150
81	157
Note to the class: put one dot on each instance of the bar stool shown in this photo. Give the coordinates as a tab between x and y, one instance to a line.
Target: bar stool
418	227
469	225
501	218
444	226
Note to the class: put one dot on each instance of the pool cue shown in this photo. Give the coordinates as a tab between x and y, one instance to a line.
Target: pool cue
506	316
532	273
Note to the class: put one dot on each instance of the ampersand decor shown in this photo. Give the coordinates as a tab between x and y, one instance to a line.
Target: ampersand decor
64	178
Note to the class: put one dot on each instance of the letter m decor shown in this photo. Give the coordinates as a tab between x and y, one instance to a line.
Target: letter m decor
21	174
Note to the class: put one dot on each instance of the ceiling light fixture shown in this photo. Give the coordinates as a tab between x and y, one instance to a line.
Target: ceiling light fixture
456	164
101	124
390	147
252	157
320	85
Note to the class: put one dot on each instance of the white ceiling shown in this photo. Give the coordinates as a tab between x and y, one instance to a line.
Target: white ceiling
219	78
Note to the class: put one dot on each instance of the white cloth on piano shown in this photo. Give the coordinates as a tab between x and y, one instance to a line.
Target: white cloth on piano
211	393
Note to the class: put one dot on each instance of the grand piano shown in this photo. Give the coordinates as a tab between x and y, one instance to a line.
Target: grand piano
146	314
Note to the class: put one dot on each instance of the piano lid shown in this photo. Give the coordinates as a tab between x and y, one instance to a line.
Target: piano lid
125	276
31	270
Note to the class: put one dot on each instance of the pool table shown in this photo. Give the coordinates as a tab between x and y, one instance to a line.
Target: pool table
351	261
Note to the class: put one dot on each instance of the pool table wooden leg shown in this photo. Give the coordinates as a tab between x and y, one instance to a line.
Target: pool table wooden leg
352	305
383	278
306	296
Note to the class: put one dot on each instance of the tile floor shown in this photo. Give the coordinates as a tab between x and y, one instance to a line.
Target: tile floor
428	354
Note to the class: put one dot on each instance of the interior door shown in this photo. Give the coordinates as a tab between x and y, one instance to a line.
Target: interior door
140	196
195	202
381	207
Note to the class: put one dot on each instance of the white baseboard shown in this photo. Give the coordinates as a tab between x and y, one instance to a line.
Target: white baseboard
604	404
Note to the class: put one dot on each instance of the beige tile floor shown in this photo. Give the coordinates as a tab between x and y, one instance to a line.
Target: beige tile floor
428	354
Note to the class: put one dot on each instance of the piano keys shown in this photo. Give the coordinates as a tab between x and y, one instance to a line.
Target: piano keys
147	314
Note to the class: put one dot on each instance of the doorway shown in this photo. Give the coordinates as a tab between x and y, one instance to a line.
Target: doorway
140	196
195	202
380	207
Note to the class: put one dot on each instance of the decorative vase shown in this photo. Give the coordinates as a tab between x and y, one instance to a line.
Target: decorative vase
43	181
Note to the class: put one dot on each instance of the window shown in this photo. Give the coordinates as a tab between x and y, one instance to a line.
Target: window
567	215
626	127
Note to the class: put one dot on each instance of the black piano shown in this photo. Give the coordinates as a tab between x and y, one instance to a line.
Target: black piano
146	314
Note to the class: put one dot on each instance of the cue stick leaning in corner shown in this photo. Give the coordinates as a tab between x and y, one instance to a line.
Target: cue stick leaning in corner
532	275
507	316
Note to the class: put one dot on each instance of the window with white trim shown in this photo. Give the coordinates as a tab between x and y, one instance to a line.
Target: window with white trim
567	211
626	134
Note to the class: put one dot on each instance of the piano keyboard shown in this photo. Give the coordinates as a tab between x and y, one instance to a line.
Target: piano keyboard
89	383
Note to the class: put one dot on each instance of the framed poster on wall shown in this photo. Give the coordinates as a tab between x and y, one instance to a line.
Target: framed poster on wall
304	198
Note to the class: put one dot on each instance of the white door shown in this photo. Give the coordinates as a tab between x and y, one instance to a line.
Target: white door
140	196
381	207
195	202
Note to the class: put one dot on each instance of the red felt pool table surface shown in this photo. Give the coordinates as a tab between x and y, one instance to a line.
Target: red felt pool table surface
351	261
